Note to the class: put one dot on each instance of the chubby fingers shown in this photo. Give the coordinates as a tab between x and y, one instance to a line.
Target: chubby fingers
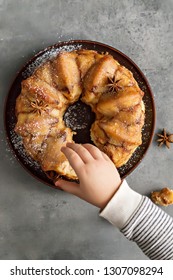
94	151
78	155
81	151
73	158
106	157
70	187
67	186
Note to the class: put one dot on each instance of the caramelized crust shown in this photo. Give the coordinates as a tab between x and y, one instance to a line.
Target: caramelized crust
52	158
95	81
131	115
112	103
163	197
124	77
99	81
44	73
36	90
119	154
34	124
66	75
119	133
33	145
85	59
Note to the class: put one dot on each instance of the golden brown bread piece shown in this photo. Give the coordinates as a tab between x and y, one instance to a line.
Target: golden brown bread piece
124	78
131	115
44	73
111	103
36	90
34	124
99	81
119	154
33	145
95	81
120	134
163	197
66	75
52	158
116	139
85	59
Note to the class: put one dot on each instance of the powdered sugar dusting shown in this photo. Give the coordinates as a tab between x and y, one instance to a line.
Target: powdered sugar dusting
5	147
77	117
76	123
146	136
49	53
18	146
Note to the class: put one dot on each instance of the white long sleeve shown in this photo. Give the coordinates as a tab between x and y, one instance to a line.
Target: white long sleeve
140	220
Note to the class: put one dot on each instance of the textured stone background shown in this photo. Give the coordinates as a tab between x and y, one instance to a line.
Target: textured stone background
37	222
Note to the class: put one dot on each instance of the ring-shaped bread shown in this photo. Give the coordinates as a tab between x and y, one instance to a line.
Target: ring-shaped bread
97	80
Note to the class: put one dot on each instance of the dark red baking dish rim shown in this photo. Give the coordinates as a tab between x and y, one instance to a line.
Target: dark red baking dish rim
124	60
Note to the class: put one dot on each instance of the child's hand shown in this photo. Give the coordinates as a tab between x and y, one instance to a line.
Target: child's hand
98	176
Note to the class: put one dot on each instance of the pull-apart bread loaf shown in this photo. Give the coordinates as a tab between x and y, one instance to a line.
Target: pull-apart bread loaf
97	80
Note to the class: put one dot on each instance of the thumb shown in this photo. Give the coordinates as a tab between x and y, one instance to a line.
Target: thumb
67	186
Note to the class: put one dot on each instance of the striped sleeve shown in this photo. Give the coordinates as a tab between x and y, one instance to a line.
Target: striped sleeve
141	221
152	229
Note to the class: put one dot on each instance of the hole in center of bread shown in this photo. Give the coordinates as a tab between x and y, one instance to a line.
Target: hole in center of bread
79	118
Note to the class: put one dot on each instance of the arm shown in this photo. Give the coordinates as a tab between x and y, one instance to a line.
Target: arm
141	221
135	215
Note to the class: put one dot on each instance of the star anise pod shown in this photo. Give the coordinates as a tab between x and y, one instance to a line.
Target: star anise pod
38	106
113	85
165	138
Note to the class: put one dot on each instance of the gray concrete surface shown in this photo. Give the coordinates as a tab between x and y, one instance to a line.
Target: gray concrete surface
37	222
